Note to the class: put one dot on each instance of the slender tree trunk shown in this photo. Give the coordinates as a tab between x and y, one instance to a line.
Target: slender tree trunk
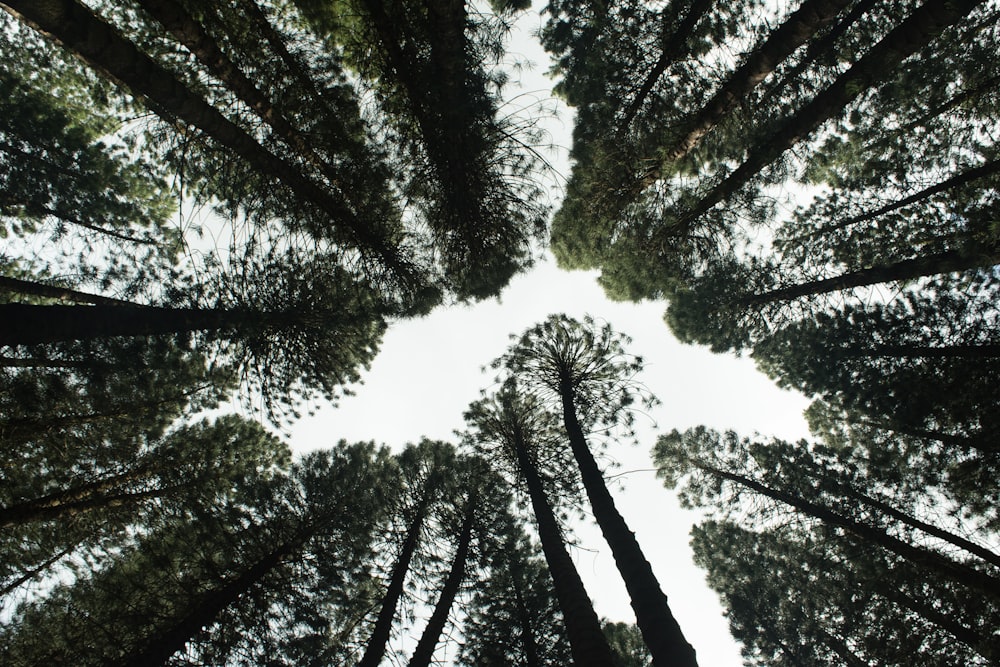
79	30
974	579
657	624
53	507
159	648
914	522
968	176
383	624
528	640
43	291
424	651
35	571
983	645
801	25
915	32
588	644
908	269
24	324
674	45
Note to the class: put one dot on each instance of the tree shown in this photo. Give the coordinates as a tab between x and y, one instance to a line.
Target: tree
582	372
225	583
719	466
827	601
512	426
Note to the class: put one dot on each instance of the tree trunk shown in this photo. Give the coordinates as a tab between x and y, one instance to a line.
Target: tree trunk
974	579
984	351
948	261
54	507
524	620
79	30
24	324
673	44
383	624
659	629
424	651
968	176
159	649
40	290
810	17
35	571
588	645
915	32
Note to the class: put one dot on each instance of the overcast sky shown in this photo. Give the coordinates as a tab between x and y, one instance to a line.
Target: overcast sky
430	369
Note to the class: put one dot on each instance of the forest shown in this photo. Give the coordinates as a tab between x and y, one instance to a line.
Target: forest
207	203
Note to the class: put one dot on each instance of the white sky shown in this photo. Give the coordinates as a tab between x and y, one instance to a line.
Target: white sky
429	370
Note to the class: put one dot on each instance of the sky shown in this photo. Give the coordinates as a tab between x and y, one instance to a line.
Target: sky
430	369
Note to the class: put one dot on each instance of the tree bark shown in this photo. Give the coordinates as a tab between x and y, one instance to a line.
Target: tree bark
24	324
810	17
65	505
660	630
383	624
424	651
79	30
159	649
974	579
915	32
948	261
43	291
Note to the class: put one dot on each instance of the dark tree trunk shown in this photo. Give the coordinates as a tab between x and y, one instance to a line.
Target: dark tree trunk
659	628
159	649
65	506
79	30
528	640
800	26
35	571
959	572
588	645
673	44
24	324
915	32
424	651
30	288
908	269
383	624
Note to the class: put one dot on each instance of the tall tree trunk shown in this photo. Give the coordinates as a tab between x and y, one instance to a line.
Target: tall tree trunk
528	640
657	624
56	507
195	39
948	261
31	288
159	648
24	324
79	30
424	651
383	624
915	32
588	644
35	571
674	44
967	176
798	28
974	579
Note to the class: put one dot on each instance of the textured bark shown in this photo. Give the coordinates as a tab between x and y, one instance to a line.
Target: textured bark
659	628
908	269
80	31
968	576
31	288
588	645
424	651
968	176
674	44
76	502
812	16
23	324
159	649
195	39
383	624
915	32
